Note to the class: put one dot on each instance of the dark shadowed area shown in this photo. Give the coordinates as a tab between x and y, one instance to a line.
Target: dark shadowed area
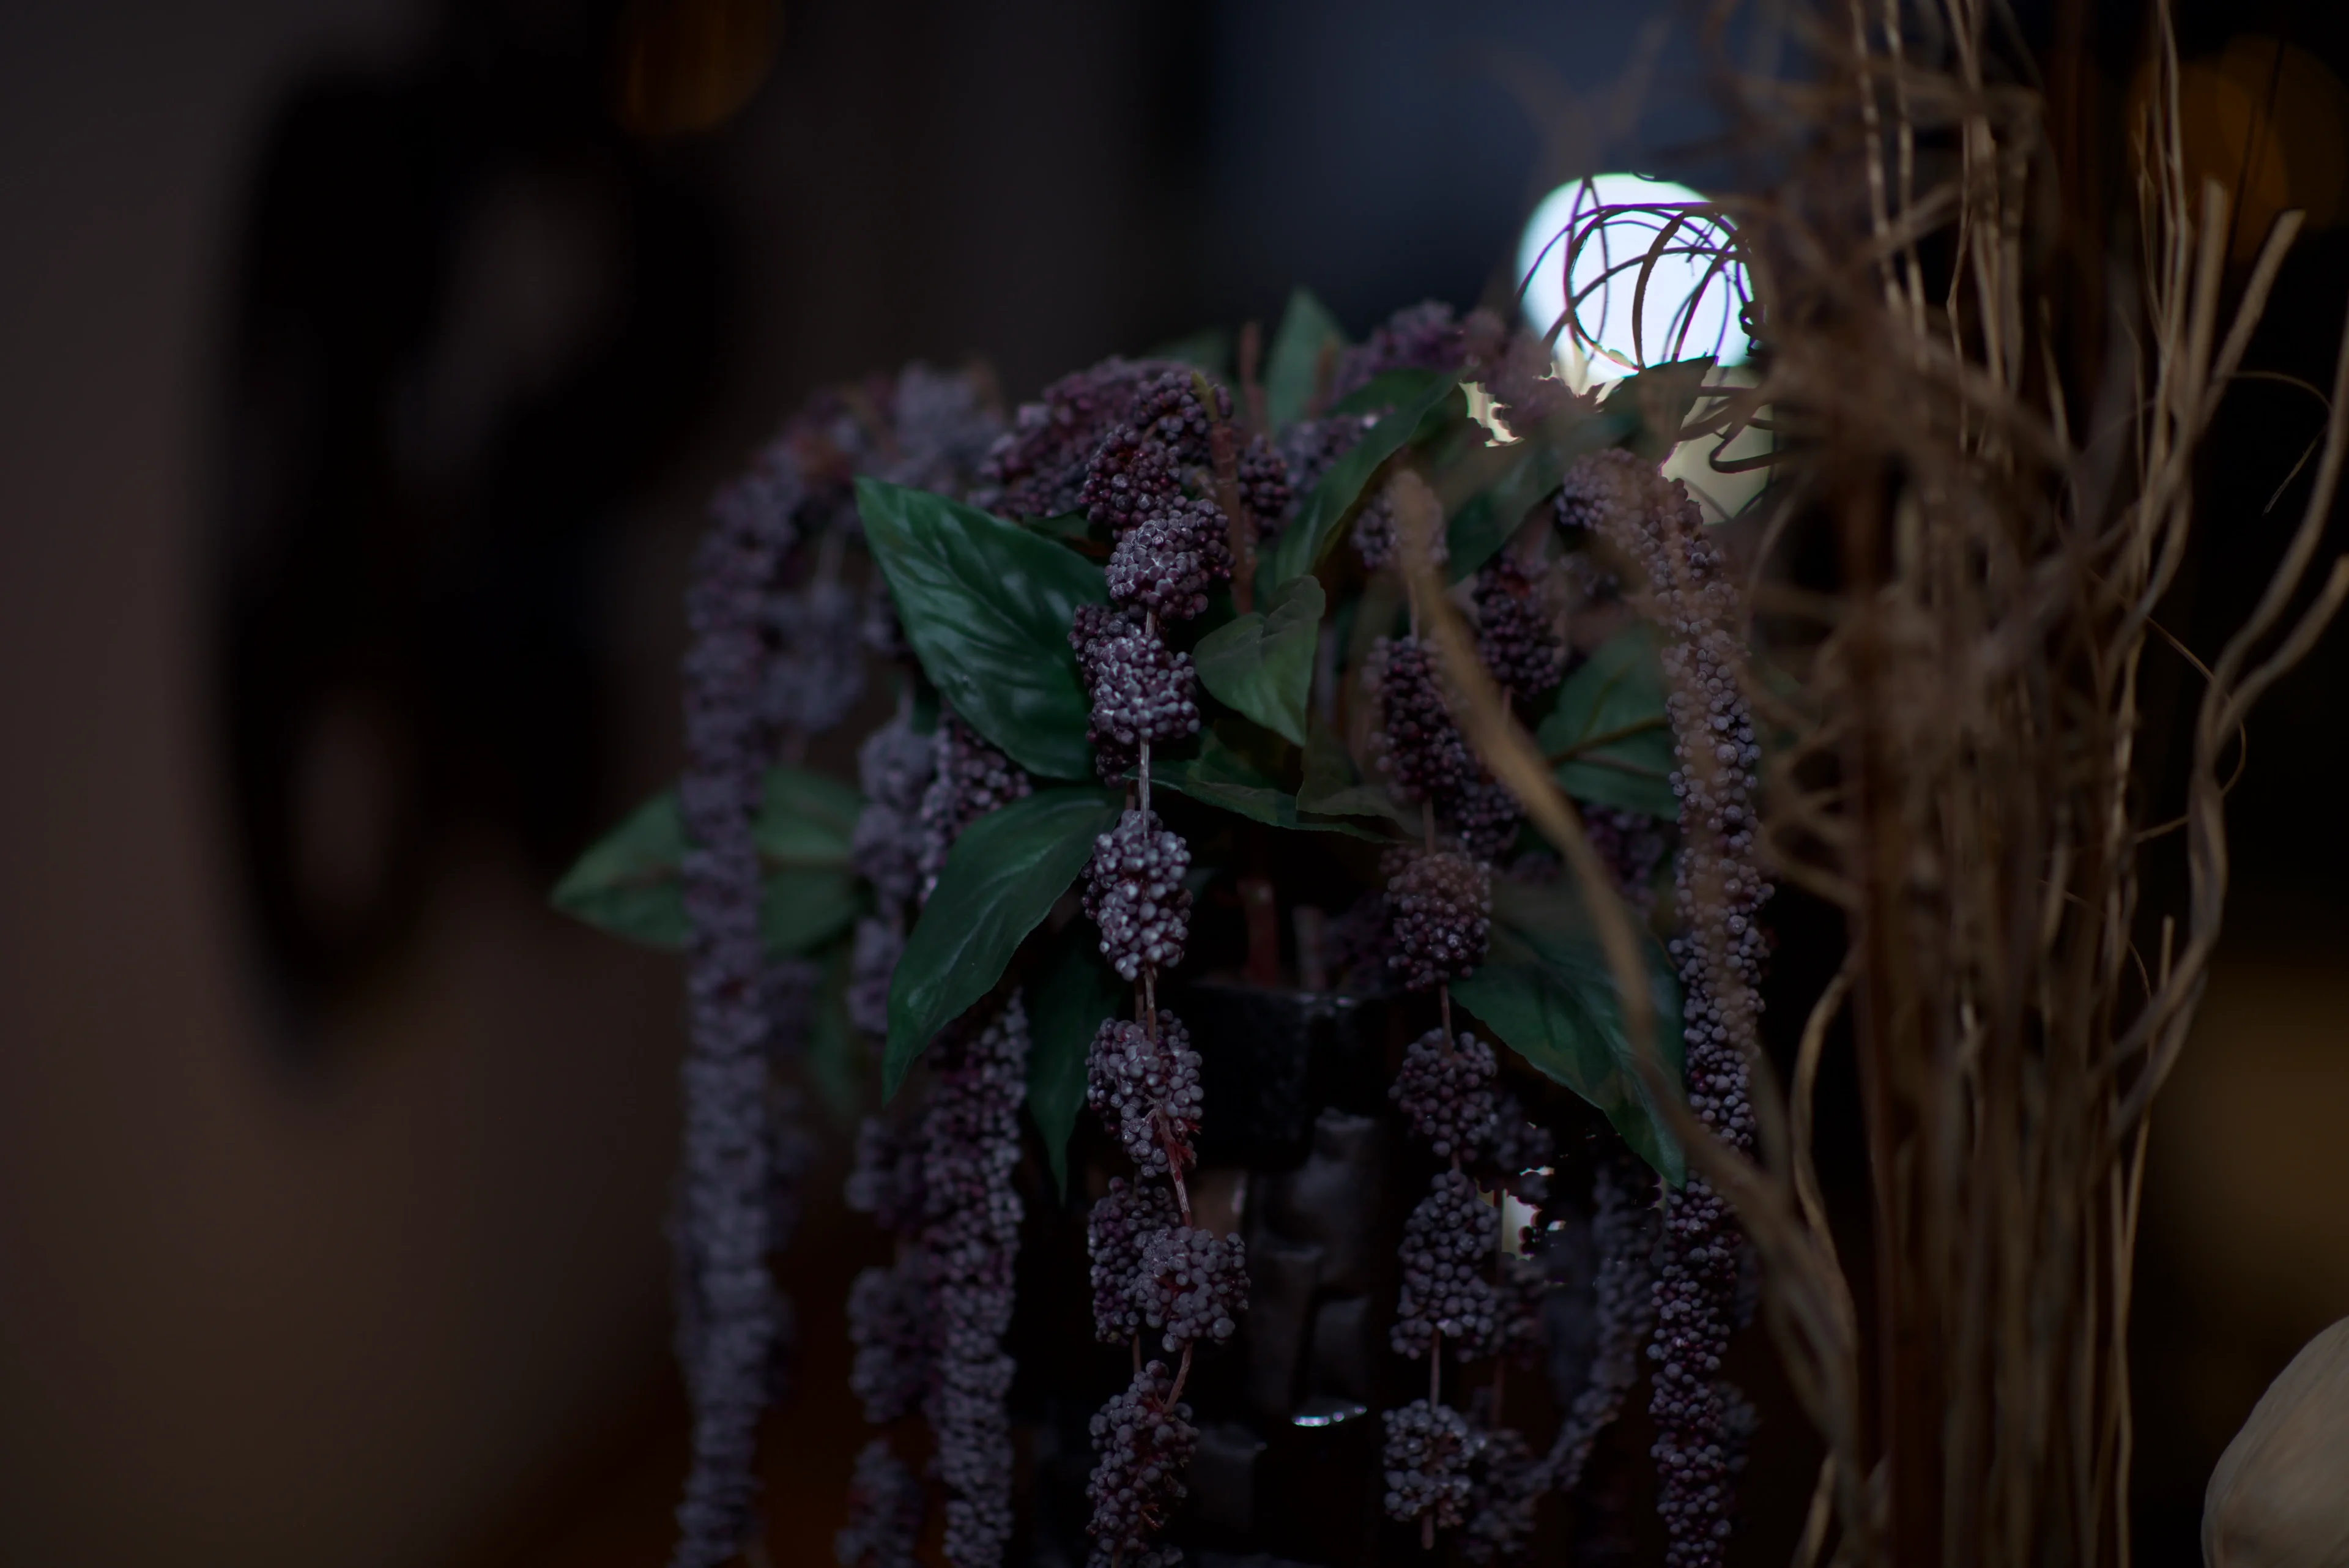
364	368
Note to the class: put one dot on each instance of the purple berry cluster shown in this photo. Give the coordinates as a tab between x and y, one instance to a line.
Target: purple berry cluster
1516	628
1424	336
1440	905
1632	845
1430	1450
1143	1084
774	655
1309	447
1159	479
1192	1284
1150	1269
889	1327
1260	476
1719	894
1166	561
1446	1244
1145	1439
1507	1482
1416	744
1623	1238
944	423
885	1505
971	1142
894	765
1134	894
817	677
1039	467
1602	489
1375	534
729	1314
971	779
1142	690
1116	1230
1444	1089
886	1179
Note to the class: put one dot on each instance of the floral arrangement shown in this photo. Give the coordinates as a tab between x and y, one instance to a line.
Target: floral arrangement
1399	672
1167	634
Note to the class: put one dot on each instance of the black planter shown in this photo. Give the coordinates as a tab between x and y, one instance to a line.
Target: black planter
1287	1469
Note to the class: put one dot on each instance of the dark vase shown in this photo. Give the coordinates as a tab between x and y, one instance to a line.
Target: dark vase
1297	1130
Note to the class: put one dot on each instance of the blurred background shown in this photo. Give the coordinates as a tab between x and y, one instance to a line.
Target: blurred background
363	367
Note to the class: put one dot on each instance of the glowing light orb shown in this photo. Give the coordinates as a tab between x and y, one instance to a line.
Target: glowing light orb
1691	301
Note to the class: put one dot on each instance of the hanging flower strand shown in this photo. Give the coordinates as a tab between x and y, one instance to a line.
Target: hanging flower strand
1152	1269
730	1317
1719	893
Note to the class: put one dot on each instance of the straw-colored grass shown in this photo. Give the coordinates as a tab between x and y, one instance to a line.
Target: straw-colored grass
1958	767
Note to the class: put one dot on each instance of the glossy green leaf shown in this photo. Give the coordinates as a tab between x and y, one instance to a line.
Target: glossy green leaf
626	882
1330	788
986	606
1387	390
1261	663
806	819
1608	735
1219	776
1544	990
1307	330
1000	882
1072	992
630	882
1330	503
633	880
1528	471
801	910
1656	402
1071	528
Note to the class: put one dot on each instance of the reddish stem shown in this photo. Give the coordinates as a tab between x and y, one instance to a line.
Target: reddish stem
1251	387
1182	1376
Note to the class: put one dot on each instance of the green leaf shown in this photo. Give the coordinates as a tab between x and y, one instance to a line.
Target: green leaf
1069	527
1387	390
799	911
1530	471
1610	736
1209	350
1306	329
1067	1002
806	819
1331	788
1000	880
631	882
1544	988
1261	663
987	606
1656	401
626	882
1219	776
1328	504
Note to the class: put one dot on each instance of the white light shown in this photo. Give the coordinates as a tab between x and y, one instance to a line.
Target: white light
1690	307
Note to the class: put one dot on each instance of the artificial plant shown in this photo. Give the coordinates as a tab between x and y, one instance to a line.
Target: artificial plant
1171	634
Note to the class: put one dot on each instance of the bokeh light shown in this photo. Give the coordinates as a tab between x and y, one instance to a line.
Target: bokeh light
1605	226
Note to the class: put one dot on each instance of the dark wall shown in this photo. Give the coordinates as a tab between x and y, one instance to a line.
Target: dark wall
363	375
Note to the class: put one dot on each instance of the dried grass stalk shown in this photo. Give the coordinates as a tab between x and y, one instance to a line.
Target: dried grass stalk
1961	776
